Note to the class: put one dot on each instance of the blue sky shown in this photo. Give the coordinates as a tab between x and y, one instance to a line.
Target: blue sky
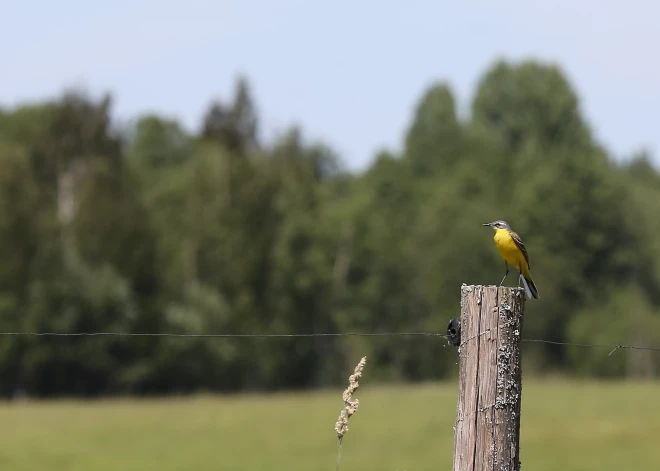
349	72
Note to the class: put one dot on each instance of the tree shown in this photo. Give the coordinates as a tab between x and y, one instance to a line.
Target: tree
529	101
434	139
159	142
234	126
152	230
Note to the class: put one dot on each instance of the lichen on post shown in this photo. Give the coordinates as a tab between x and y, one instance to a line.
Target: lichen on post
487	431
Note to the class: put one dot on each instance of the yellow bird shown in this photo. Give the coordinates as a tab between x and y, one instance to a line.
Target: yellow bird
513	251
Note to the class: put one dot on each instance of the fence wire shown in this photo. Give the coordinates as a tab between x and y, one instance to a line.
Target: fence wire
614	347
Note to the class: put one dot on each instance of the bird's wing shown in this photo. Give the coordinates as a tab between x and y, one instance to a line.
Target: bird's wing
516	238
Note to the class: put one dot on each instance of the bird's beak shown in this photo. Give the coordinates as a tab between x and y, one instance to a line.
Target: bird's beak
488	224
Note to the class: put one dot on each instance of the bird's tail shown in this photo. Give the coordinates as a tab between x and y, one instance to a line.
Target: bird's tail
530	287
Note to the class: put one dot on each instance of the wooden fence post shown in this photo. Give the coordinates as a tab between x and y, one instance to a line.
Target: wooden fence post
487	432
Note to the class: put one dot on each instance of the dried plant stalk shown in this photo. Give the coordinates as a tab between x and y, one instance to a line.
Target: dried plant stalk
350	405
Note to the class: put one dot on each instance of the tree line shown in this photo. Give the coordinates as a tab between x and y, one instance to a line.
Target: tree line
145	227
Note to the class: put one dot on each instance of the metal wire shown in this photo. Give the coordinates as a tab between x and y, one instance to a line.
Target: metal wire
328	334
139	334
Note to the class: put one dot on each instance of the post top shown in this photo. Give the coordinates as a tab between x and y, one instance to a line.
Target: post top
472	287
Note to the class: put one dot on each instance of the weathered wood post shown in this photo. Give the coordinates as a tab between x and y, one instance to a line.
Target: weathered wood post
487	432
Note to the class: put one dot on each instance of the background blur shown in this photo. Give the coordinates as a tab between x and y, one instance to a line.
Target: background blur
290	167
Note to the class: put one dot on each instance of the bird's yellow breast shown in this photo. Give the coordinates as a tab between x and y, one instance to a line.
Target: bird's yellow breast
508	249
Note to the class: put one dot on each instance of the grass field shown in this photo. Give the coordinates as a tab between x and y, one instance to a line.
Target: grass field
565	426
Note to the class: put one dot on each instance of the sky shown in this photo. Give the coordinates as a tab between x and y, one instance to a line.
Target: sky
349	73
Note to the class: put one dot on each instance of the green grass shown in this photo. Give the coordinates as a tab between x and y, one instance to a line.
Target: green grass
565	426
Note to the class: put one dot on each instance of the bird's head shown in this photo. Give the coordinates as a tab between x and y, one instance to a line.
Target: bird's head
499	224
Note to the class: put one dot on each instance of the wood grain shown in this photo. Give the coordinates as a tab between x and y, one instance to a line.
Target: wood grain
487	431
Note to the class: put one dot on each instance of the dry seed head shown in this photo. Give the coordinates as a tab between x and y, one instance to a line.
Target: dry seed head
350	405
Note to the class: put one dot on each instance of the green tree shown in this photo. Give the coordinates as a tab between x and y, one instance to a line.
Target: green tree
529	101
159	142
235	126
434	140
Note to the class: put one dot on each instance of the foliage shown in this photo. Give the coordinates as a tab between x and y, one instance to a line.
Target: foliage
157	229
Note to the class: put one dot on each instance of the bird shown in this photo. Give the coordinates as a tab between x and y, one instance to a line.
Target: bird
513	251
